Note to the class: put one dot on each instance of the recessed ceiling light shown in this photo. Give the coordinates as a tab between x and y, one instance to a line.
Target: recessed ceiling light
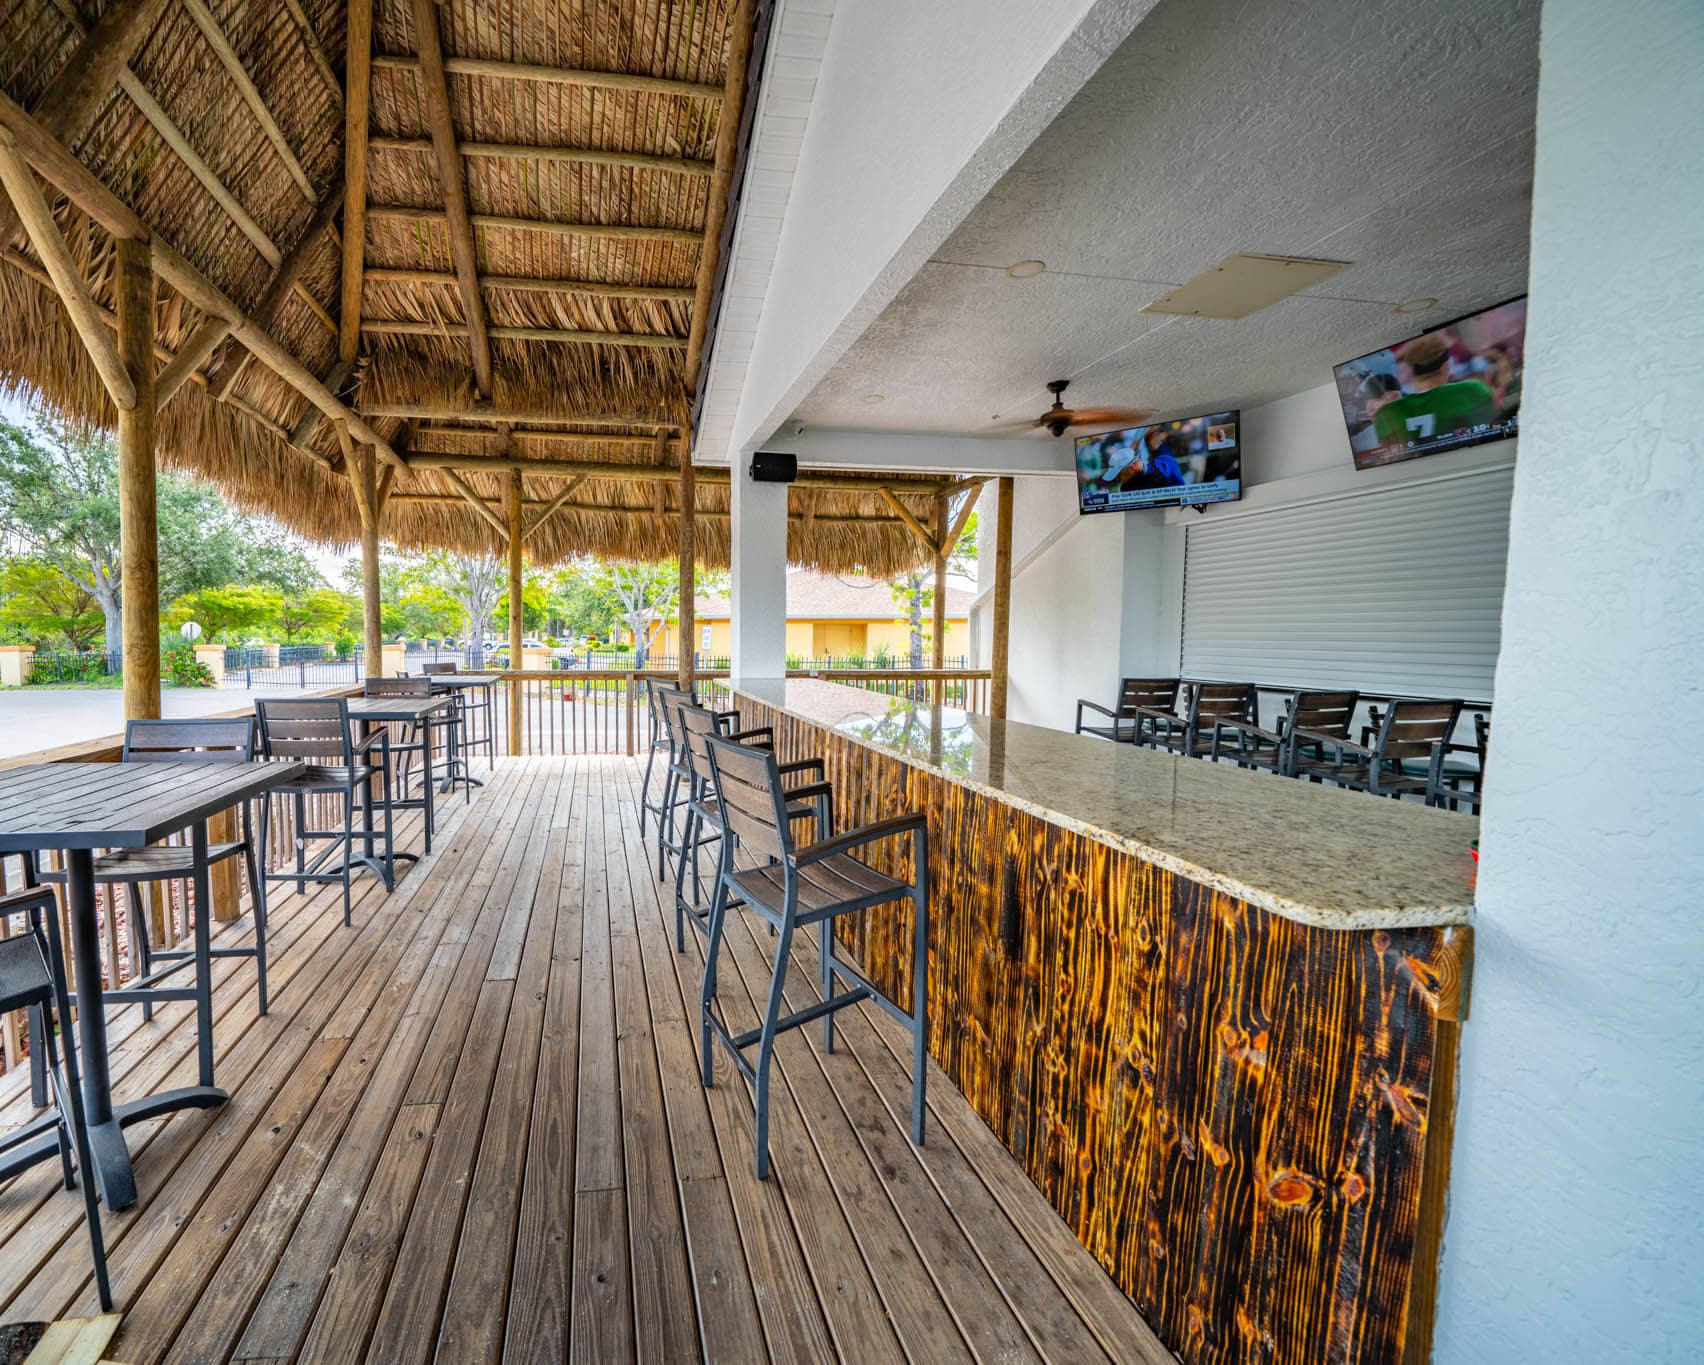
1414	306
1026	270
875	398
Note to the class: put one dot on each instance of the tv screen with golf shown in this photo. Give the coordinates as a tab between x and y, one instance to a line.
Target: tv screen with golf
1165	464
1456	385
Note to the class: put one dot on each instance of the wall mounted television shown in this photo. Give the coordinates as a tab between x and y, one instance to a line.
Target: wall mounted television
1187	463
1452	386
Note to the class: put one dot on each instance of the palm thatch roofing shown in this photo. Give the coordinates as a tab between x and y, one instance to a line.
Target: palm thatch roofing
461	233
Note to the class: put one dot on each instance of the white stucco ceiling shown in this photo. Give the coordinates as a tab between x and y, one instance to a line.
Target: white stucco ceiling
1392	135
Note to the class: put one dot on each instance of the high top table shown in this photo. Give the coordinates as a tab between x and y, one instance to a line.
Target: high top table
78	808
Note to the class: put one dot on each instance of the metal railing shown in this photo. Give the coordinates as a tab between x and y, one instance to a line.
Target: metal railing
605	711
63	666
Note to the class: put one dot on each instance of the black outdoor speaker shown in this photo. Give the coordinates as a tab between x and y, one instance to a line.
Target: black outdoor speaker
774	466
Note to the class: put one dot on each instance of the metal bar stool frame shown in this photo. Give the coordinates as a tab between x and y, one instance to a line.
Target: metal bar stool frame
747	784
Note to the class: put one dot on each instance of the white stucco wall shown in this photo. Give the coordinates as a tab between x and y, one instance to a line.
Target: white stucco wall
1576	1226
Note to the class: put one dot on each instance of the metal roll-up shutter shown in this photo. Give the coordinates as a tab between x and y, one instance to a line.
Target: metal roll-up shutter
1394	590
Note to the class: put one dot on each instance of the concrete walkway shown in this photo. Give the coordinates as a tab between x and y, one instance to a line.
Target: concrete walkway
46	717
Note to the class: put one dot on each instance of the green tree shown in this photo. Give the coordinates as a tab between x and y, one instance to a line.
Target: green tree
231	612
38	599
634	597
535	605
914	593
318	612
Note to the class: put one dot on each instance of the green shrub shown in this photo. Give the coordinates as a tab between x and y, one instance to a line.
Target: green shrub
180	668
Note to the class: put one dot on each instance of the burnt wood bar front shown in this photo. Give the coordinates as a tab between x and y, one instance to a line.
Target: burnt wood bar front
1213	1013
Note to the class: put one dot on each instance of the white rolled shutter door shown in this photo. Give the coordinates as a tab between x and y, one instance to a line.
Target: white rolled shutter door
1394	590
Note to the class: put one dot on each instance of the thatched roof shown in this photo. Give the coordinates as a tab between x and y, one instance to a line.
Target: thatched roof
576	191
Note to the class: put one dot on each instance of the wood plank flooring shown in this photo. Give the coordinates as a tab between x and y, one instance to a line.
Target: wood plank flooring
471	1129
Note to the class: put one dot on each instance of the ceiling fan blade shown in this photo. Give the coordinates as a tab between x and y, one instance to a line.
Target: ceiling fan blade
1094	417
1015	428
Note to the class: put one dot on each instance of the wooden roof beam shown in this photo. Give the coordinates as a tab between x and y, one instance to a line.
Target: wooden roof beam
358	73
715	514
523	437
904	513
233	65
637	340
284	282
197	346
721	184
645	473
595	288
482	410
316	53
38	222
514	151
453	180
618	231
558	75
478	503
552	507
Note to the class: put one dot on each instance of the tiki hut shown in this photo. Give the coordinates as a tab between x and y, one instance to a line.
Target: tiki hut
441	273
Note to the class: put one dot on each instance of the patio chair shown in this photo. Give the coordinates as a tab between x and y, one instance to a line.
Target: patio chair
1408	730
32	978
665	702
815	884
210	740
657	744
1190	731
704	814
1134	694
444	725
1458	783
468	705
316	730
1248	746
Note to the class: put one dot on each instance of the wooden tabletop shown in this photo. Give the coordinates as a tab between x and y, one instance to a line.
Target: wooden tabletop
394	708
121	805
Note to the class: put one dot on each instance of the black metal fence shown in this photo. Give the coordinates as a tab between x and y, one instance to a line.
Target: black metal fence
292	666
69	666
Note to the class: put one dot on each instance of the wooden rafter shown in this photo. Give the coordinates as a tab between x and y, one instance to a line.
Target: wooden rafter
647	473
713	514
965	512
552	507
466	490
513	151
557	75
335	378
284	281
627	232
483	411
523	437
904	514
434	86
596	288
635	340
31	207
358	73
316	53
197	346
250	92
721	184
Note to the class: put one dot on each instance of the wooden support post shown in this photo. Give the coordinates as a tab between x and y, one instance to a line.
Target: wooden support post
938	623
139	550
358	36
1002	599
516	510
688	610
358	462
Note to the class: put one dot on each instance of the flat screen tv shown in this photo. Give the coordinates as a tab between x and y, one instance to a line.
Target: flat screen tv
1166	464
1456	385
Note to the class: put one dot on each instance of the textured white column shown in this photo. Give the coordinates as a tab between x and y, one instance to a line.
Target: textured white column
1576	1211
759	564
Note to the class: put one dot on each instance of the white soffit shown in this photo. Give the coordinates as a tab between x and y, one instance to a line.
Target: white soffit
1243	284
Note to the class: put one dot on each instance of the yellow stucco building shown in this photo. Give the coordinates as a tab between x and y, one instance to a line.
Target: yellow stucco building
832	616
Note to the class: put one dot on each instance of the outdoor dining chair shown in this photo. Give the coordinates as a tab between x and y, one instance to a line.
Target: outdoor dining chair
675	777
799	887
1189	730
1407	731
209	740
445	725
1249	746
1134	696
703	823
316	731
32	978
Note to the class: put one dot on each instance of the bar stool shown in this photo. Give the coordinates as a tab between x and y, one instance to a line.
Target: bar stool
32	977
704	814
816	885
446	724
208	740
658	743
665	703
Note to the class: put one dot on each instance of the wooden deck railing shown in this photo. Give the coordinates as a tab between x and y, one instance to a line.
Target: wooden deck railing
603	711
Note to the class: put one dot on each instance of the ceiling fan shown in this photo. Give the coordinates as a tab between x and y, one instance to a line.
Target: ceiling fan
1059	419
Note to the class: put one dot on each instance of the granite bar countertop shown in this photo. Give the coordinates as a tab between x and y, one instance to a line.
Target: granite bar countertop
1316	854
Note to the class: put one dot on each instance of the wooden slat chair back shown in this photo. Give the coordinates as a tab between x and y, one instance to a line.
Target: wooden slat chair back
1411	728
1322	713
313	728
438	670
398	687
1136	697
1191	732
794	888
216	739
1409	731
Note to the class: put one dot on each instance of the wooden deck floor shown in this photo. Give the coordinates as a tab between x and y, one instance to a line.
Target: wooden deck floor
471	1128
